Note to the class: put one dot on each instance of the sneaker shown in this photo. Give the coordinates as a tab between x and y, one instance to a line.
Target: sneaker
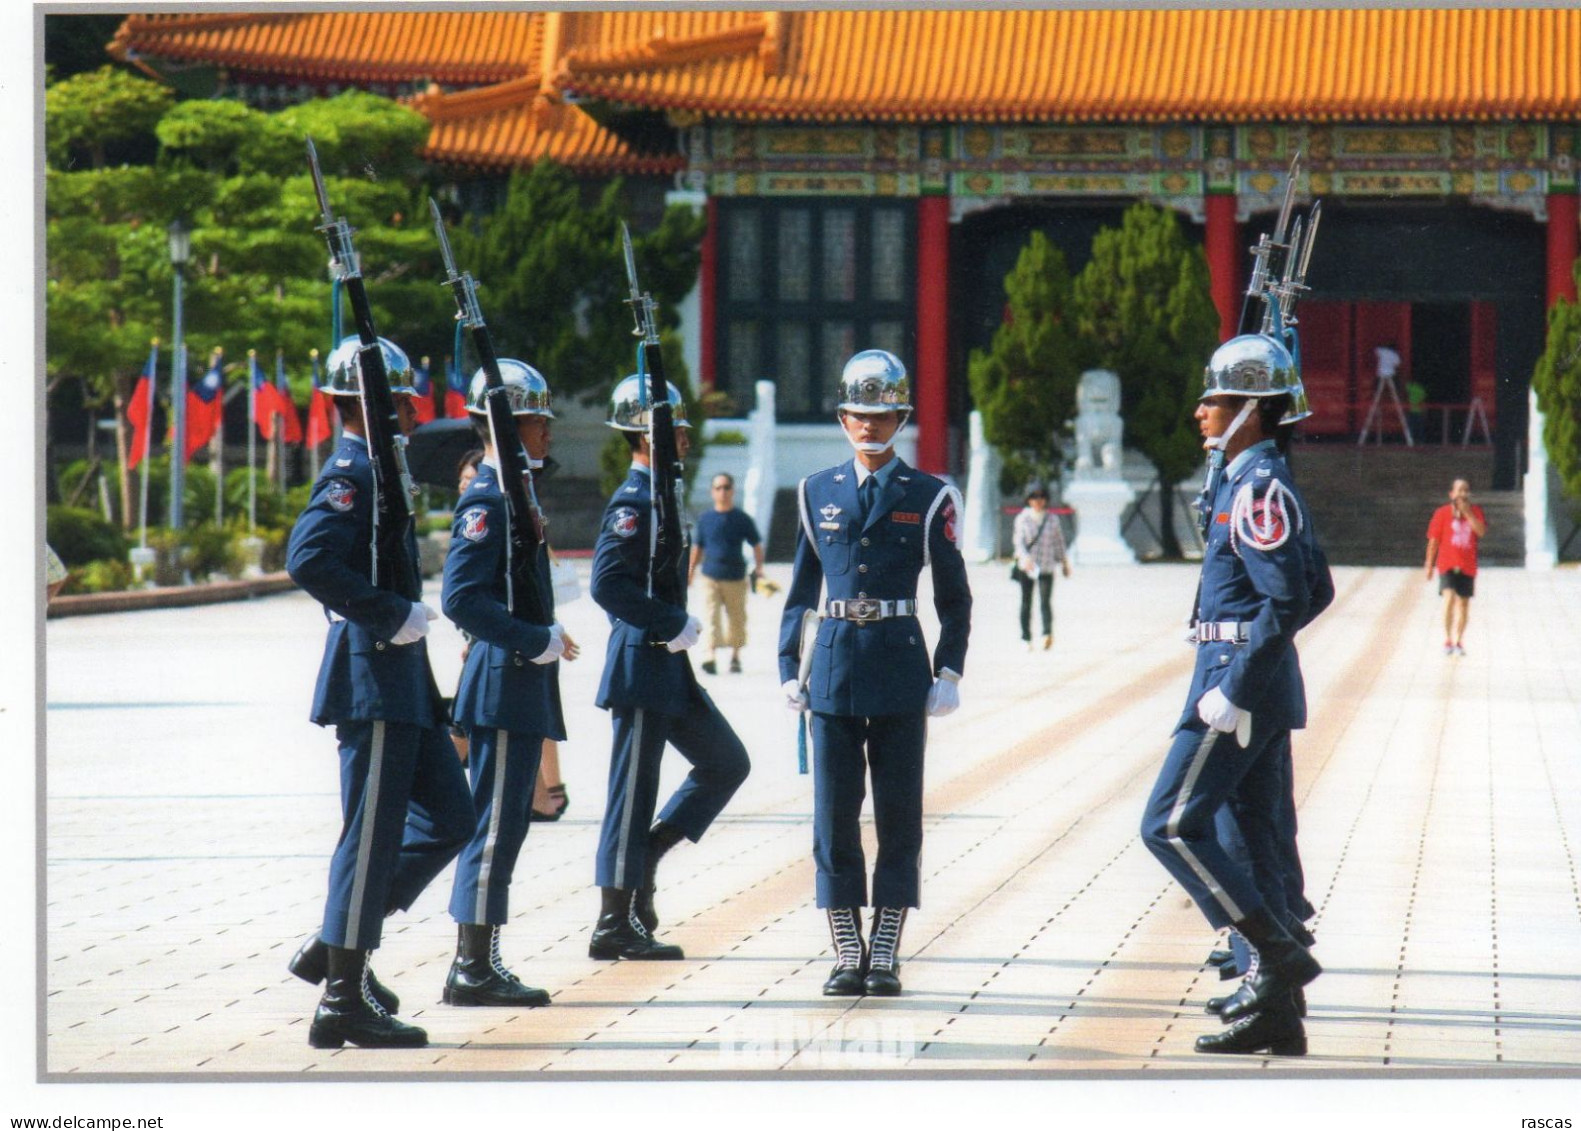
1030	648
1459	651
1449	650
710	668
735	667
1048	642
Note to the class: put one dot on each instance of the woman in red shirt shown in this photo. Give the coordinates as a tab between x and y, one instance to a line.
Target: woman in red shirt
1452	548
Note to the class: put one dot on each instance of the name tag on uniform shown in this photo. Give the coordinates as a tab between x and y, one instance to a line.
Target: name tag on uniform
906	516
828	526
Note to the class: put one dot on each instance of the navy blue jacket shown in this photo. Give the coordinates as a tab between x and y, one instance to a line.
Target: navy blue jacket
638	670
363	676
880	668
1262	567
500	685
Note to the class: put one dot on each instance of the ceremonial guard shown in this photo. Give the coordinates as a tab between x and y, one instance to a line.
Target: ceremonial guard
509	698
405	805
868	528
1263	579
653	698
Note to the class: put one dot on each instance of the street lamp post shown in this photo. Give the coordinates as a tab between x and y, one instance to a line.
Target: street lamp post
180	251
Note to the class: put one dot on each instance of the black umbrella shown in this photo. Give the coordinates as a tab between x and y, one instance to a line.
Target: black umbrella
434	452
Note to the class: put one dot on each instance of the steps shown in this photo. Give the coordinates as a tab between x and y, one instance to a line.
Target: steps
1372	504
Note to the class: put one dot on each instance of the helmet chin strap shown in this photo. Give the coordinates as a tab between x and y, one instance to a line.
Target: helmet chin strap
871	448
1219	443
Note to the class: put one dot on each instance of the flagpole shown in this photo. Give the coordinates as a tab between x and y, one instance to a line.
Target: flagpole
252	441
217	445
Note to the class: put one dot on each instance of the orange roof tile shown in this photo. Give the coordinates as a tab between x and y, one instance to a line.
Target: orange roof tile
508	125
1063	65
348	46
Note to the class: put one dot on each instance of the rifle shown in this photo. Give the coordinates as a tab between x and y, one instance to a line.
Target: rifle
394	568
523	515
668	538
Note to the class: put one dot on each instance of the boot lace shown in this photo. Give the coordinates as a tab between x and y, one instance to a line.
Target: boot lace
367	995
497	964
847	936
886	937
634	921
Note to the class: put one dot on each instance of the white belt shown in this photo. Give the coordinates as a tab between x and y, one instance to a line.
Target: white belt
1223	632
865	609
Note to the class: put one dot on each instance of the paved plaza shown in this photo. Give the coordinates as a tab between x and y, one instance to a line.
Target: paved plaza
191	808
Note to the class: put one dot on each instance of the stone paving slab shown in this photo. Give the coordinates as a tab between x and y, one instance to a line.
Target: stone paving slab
190	810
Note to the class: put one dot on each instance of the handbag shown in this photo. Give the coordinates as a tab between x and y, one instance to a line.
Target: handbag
1017	574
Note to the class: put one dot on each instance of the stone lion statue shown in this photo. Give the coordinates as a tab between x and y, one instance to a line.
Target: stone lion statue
1098	425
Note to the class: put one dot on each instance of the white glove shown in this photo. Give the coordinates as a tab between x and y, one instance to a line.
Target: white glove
1218	712
795	695
556	647
416	626
944	696
689	635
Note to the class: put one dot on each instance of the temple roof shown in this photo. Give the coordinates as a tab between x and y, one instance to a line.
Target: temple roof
503	85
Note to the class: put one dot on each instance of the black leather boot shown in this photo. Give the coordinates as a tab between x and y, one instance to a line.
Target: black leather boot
347	1011
1276	1028
1282	965
661	838
620	934
1217	1004
311	964
478	977
1219	956
883	962
845	928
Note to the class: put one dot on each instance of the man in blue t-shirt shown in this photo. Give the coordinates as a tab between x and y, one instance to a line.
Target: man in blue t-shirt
716	546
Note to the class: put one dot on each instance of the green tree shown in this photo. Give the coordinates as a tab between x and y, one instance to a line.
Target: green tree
1025	385
1557	381
1145	311
256	278
552	283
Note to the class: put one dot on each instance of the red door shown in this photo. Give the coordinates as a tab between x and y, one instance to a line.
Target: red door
1379	324
1325	329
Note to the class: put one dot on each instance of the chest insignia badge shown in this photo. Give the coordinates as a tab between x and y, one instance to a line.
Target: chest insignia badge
830	511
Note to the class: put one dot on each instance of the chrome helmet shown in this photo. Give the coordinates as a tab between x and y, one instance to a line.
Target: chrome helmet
526	391
875	381
628	406
1255	365
343	369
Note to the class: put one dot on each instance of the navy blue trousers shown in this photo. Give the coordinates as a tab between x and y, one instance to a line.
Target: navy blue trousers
405	812
719	766
503	767
1203	770
845	748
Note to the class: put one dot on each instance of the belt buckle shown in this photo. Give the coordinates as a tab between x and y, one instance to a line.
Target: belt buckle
862	610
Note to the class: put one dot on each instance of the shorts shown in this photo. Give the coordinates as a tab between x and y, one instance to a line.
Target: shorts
1461	584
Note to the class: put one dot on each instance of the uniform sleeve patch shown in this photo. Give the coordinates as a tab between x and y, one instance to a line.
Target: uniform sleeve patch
623	522
475	524
949	522
1264	522
341	494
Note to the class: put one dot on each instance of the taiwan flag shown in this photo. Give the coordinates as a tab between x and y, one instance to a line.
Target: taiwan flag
319	427
140	413
290	421
205	405
264	406
455	397
424	401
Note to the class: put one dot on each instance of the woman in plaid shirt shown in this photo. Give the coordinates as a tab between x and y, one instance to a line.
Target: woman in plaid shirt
1039	546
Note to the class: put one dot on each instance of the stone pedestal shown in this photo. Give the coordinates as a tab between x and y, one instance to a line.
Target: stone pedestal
980	524
1099	503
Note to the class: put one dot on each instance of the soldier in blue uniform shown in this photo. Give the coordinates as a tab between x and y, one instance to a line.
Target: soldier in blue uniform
868	528
1263	579
404	799
509	698
653	698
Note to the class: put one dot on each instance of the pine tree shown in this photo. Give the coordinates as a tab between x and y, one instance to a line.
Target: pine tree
1146	311
1557	381
1025	385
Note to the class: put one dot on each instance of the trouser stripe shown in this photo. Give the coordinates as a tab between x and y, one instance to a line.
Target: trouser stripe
496	803
370	820
1172	829
633	769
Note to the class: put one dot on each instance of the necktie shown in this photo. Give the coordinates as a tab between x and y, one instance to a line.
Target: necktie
866	494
